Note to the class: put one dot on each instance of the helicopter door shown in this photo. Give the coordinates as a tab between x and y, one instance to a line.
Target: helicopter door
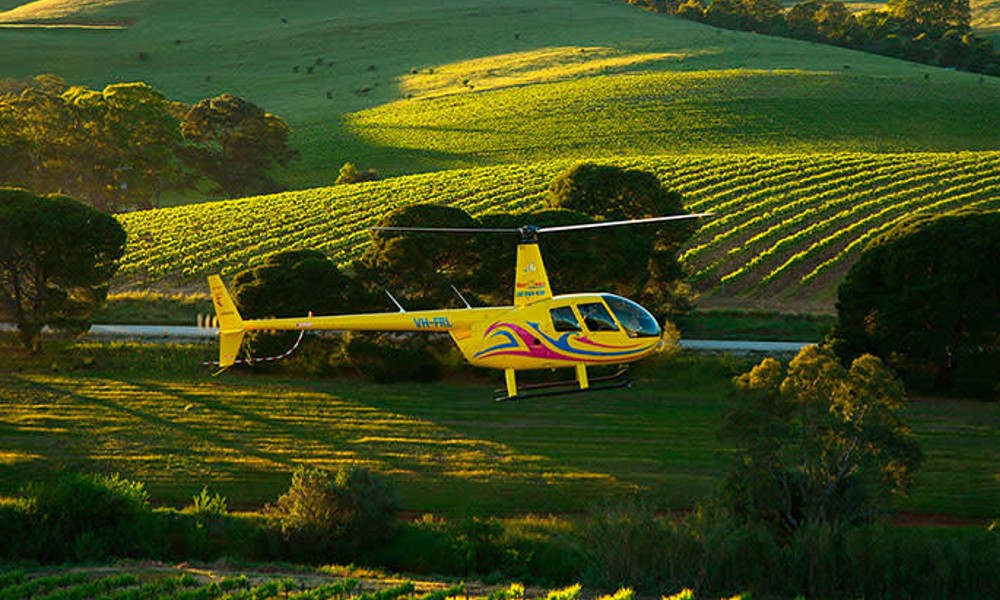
596	317
564	319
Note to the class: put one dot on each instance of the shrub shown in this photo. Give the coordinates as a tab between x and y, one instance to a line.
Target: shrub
87	517
334	515
206	505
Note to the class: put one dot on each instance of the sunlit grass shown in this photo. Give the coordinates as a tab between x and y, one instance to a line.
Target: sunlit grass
544	65
451	449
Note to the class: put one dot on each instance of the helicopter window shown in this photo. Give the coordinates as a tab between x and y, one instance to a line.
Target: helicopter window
597	318
563	319
635	319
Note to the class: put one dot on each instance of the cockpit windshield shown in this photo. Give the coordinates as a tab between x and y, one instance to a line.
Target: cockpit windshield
635	319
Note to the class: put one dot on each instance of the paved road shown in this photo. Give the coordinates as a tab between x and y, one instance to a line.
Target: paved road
178	332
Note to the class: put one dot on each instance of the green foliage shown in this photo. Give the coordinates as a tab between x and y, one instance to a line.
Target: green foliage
326	515
236	143
924	299
818	442
933	15
208	506
86	517
56	257
350	174
392	357
117	148
294	283
420	268
644	264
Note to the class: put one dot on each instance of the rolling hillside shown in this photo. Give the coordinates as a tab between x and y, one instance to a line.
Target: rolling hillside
319	64
785	231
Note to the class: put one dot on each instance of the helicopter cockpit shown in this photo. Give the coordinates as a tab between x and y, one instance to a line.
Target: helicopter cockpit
634	319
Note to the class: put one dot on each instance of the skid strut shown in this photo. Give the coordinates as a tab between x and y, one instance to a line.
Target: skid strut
580	385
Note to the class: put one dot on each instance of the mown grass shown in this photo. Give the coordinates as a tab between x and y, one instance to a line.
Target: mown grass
146	412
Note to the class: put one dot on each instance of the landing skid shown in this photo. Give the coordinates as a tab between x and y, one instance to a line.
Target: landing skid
567	387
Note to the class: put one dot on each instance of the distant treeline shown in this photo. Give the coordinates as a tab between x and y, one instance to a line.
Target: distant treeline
123	147
933	32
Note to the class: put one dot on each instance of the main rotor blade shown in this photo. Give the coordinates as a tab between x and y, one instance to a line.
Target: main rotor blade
617	223
447	229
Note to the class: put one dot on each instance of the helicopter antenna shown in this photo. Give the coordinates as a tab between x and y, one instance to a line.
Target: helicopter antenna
394	301
460	296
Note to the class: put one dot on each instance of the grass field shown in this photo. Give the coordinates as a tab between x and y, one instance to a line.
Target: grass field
451	449
786	227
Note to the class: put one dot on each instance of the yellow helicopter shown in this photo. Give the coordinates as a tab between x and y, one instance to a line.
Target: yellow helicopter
539	331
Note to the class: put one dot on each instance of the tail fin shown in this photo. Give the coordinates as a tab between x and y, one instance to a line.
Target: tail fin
531	283
230	323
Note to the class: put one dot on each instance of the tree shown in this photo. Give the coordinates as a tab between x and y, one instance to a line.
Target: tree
925	297
293	284
128	152
56	257
116	148
823	21
236	144
334	515
420	267
652	271
934	16
350	174
818	442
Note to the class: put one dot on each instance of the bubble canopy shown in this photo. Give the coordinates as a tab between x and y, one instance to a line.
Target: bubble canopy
635	319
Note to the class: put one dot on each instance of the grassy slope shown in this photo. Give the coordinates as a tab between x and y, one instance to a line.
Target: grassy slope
198	49
666	113
450	447
832	202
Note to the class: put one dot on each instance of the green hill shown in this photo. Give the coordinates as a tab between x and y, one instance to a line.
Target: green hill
323	64
786	226
744	111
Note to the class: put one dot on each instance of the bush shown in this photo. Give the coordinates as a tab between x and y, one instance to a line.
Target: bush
923	298
208	506
87	517
334	516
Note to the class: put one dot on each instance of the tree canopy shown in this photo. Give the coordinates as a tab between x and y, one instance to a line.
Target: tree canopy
236	143
644	261
56	257
639	262
815	441
925	296
123	147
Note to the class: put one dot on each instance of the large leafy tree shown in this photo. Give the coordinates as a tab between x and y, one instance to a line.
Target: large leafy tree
646	262
935	16
130	152
236	144
815	441
56	257
292	284
115	148
420	267
925	296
